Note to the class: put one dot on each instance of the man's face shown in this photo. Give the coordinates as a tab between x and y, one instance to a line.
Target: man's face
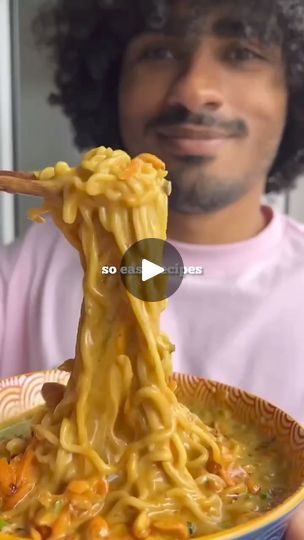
213	107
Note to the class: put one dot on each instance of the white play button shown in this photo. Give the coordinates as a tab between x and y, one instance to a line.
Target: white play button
150	270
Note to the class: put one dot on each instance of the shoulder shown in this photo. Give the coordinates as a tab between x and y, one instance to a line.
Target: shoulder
293	230
291	245
42	246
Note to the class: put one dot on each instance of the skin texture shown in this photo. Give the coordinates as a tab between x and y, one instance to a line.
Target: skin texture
296	528
206	83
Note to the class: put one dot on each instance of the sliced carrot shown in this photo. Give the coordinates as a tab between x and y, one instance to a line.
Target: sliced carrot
25	467
155	161
15	498
16	479
7	476
78	486
132	170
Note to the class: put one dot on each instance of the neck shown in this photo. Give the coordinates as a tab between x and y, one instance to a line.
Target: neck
236	223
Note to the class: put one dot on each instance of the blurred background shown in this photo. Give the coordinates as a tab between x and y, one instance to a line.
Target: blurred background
32	133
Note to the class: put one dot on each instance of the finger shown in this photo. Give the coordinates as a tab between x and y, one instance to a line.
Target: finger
296	527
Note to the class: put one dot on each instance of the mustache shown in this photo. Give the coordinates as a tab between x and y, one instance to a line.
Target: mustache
180	115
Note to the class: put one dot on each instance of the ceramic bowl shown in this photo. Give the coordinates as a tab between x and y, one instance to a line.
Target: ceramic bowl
22	393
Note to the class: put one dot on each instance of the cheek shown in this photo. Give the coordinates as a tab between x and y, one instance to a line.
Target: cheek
130	95
132	116
135	98
266	125
142	94
271	115
267	107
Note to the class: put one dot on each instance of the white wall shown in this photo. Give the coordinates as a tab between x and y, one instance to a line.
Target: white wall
42	135
296	201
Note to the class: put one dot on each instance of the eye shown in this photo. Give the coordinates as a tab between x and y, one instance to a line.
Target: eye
157	52
243	54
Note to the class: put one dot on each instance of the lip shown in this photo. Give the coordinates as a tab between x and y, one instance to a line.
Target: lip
194	140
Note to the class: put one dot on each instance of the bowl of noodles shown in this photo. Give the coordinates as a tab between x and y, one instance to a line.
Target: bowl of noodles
113	444
264	486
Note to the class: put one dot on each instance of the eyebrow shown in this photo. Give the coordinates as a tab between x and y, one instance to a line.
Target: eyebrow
228	27
225	27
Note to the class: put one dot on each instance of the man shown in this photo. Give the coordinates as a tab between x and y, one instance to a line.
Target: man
216	91
223	107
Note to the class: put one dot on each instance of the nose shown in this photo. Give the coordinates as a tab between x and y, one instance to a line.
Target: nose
199	84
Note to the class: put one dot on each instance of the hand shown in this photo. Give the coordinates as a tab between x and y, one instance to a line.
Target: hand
296	527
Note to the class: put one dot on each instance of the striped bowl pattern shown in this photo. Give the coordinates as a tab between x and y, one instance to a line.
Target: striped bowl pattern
23	392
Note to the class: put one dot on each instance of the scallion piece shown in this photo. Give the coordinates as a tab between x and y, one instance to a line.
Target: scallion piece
3	524
265	496
58	507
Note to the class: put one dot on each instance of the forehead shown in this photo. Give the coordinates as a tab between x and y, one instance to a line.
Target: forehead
221	18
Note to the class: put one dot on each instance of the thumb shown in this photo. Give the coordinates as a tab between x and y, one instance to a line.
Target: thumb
296	527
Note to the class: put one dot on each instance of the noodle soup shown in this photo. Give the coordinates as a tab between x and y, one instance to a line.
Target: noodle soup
260	455
125	458
260	452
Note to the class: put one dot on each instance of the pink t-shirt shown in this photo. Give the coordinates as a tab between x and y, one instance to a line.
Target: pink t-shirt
241	322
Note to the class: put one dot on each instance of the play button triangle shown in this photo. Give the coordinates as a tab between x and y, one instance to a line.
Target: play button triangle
150	270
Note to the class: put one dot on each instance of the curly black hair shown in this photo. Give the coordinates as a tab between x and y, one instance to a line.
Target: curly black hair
88	40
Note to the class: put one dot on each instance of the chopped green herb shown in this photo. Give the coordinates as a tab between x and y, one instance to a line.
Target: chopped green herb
3	524
265	496
58	507
191	528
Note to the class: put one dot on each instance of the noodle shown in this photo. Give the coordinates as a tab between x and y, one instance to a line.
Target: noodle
149	464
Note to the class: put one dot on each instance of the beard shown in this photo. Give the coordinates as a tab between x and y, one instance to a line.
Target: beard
200	193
